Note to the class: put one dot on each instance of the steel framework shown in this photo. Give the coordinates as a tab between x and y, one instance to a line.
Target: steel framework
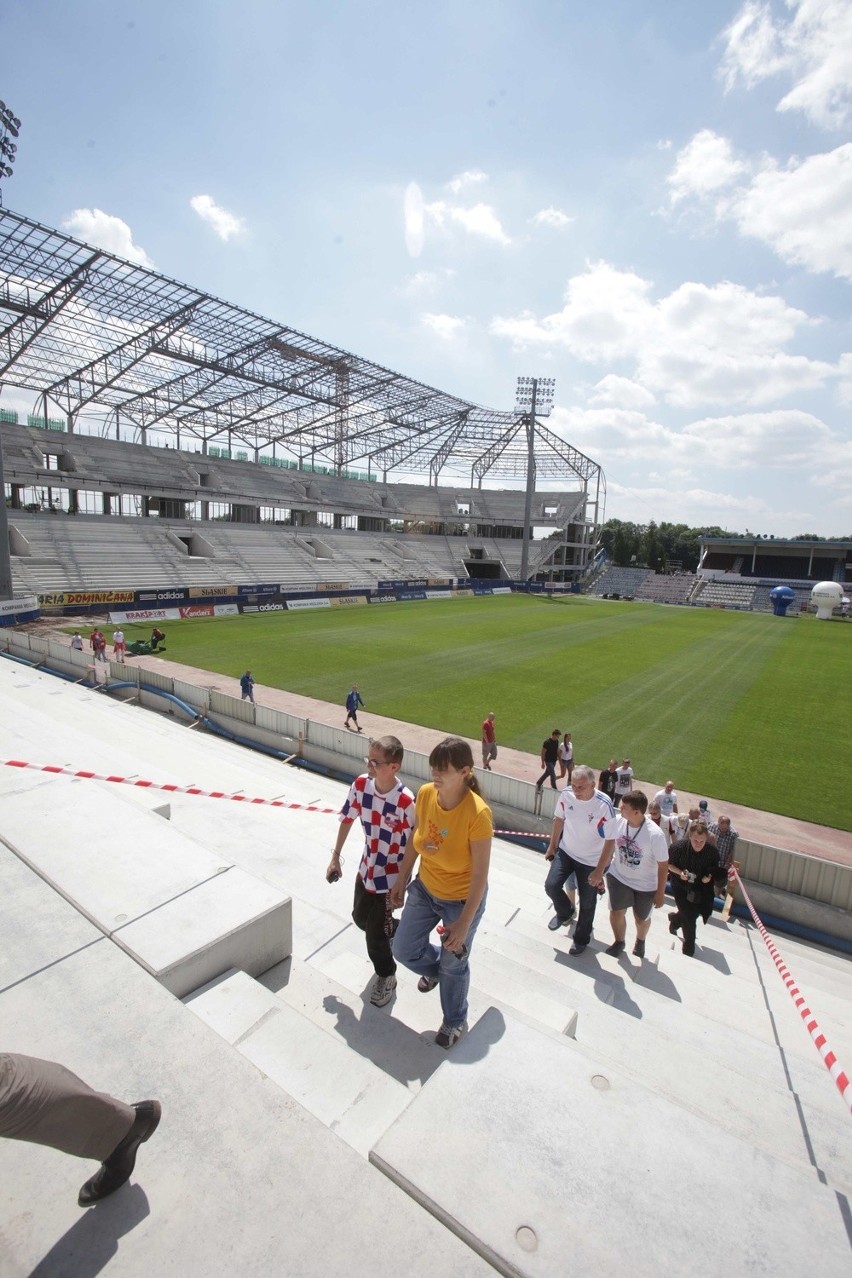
88	331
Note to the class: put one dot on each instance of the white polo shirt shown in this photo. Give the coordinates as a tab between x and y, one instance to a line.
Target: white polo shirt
587	824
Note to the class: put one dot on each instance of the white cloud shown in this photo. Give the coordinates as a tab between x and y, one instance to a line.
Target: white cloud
106	232
425	281
705	165
480	219
551	217
813	48
698	345
470	177
412	213
446	326
620	392
802	211
226	225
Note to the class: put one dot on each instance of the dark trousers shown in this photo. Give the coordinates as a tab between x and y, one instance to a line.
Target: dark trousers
561	868
369	912
549	771
687	916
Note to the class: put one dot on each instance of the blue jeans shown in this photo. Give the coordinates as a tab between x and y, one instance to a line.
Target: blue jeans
561	868
413	949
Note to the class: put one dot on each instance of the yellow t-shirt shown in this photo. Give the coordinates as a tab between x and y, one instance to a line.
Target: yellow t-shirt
442	840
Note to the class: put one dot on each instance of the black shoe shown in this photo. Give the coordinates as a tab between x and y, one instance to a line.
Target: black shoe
116	1170
639	949
556	923
576	949
689	950
615	948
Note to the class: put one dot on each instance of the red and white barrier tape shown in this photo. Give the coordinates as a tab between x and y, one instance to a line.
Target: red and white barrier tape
55	770
841	1078
525	834
168	789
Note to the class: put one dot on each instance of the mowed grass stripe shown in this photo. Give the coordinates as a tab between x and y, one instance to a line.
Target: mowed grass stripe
724	702
666	717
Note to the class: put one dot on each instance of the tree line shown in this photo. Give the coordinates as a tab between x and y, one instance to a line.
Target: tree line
665	547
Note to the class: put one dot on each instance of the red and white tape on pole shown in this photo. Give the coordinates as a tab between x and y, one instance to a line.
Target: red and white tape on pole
168	789
841	1078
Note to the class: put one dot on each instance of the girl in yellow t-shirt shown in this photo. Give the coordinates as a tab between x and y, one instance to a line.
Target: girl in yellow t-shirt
452	838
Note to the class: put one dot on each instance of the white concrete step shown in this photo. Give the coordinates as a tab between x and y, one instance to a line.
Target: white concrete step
534	1211
422	1012
377	1034
69	995
349	1094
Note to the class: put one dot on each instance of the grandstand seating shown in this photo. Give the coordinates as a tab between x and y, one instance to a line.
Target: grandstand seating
725	594
667	588
762	603
95	552
620	581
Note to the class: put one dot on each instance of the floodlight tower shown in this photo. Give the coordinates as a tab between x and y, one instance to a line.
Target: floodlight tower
9	128
533	395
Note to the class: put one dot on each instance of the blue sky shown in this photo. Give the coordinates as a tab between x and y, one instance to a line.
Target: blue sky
650	202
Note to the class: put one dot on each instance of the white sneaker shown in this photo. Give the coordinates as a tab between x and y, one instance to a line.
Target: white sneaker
382	991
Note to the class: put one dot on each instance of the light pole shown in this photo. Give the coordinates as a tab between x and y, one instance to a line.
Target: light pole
533	395
9	127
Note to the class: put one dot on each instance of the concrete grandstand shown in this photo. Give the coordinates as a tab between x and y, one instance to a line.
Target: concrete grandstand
153	401
190	948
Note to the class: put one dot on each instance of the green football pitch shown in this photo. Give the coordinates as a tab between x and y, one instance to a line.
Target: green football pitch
743	706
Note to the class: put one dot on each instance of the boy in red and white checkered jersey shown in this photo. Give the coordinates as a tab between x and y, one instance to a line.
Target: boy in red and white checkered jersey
386	810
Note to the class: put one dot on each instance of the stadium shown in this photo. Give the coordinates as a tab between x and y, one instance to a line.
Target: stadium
267	497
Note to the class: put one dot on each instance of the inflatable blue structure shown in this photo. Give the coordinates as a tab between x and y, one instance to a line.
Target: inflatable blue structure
782	597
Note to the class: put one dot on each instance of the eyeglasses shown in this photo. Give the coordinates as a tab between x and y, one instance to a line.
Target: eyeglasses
377	763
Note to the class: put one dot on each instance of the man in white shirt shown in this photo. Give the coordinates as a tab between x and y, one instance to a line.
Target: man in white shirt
623	780
583	821
667	799
635	872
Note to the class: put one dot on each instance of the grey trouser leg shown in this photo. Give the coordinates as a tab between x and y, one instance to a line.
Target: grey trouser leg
43	1102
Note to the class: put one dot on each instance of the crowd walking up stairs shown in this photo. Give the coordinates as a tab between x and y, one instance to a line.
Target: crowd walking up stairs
602	1113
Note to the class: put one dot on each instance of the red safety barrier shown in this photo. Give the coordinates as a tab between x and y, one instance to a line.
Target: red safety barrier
55	770
841	1078
169	789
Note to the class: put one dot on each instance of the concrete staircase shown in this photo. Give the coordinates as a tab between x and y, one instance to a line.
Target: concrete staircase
595	1101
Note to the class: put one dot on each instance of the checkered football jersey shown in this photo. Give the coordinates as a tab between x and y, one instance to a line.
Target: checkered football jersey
386	819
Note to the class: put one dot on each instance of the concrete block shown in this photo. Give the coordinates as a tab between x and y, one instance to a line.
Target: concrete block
231	921
478	1149
239	1177
111	860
